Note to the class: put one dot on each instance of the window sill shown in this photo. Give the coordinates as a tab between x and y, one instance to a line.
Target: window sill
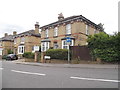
55	36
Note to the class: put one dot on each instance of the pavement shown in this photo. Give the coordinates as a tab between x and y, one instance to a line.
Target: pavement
102	66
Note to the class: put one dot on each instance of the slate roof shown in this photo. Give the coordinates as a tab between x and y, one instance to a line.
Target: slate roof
72	18
7	38
28	33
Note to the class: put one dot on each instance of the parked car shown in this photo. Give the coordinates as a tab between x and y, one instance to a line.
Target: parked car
11	57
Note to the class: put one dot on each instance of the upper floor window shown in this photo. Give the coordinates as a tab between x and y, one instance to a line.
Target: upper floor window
68	29
15	41
87	29
22	39
46	33
56	31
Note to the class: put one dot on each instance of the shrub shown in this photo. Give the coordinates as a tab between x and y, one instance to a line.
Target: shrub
57	53
29	55
4	56
9	51
104	46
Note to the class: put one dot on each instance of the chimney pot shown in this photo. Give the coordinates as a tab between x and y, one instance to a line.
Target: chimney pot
6	34
14	32
37	28
60	17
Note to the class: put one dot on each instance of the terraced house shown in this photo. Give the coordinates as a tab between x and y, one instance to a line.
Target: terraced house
26	41
7	44
77	28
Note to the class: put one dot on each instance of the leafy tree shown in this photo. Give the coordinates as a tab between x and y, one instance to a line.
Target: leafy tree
104	46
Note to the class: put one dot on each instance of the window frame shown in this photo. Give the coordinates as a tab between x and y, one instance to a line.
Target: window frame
46	33
55	31
22	40
45	46
21	49
68	29
55	45
64	44
87	29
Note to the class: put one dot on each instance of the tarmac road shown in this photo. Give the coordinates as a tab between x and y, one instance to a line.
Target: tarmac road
33	76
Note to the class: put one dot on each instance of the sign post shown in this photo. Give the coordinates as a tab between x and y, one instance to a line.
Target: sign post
68	40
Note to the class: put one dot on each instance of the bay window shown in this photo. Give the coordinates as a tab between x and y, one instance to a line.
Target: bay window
21	49
44	46
65	44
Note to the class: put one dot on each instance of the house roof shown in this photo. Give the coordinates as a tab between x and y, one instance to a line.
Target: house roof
72	18
7	38
27	33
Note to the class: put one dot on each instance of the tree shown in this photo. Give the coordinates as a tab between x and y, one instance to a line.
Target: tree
104	46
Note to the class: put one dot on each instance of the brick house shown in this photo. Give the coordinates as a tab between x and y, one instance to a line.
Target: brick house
6	43
26	41
77	28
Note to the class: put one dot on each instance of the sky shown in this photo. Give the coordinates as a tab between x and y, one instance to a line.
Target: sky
21	15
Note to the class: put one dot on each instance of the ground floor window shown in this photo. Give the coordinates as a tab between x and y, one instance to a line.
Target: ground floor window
55	45
1	51
21	49
44	46
65	44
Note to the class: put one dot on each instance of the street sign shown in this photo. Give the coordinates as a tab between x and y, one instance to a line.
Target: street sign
68	39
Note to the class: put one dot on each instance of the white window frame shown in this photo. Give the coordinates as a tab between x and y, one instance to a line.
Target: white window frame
15	41
56	31
95	31
87	29
45	46
21	49
65	44
22	40
1	50
0	44
68	29
46	33
35	48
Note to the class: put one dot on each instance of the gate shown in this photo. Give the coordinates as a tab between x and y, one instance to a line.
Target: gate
80	52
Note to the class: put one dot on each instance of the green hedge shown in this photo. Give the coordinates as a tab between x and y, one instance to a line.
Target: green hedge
4	56
29	55
61	54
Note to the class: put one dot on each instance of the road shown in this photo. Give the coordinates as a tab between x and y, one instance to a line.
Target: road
27	76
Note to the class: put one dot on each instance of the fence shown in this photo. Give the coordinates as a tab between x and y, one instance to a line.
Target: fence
80	52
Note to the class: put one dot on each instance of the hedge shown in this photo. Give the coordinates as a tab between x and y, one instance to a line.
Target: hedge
29	55
61	54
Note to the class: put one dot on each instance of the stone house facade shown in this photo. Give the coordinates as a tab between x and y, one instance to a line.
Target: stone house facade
77	28
7	43
26	41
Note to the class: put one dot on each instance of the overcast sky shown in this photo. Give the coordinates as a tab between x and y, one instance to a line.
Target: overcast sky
21	15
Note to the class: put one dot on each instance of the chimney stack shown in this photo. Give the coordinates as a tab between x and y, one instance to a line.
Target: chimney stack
6	34
14	32
37	28
60	17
